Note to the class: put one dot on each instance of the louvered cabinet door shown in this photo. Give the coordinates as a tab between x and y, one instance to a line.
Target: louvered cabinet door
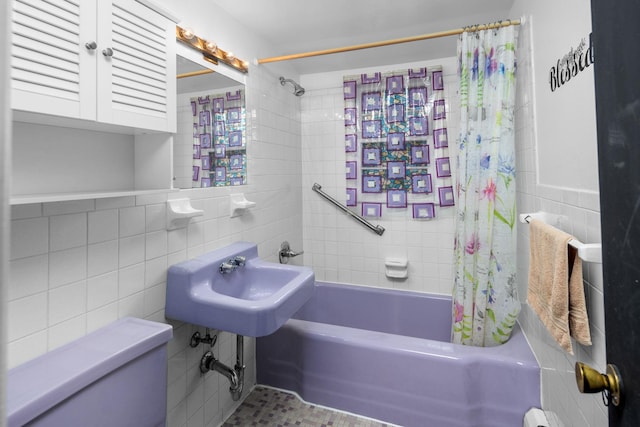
136	66
53	60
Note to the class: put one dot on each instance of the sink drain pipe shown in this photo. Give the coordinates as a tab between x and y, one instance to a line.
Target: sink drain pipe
235	375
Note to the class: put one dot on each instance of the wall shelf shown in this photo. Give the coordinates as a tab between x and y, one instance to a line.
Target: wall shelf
52	164
64	197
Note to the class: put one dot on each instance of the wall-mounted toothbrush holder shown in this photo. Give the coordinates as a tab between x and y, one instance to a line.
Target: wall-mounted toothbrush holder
396	268
180	212
238	205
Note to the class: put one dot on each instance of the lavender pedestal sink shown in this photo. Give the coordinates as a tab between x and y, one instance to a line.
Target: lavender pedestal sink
251	297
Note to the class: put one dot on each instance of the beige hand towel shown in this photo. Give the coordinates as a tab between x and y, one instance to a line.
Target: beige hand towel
556	291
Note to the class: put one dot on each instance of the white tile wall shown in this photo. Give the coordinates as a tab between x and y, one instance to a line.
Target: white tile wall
67	231
67	302
340	249
29	237
102	258
103	225
67	266
102	290
560	395
29	276
76	266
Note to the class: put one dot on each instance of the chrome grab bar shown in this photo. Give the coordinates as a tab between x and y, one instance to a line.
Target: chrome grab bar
378	229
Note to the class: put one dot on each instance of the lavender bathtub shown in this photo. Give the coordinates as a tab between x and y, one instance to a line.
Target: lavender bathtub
386	354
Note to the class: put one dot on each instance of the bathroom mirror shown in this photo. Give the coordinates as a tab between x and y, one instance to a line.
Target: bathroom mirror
209	148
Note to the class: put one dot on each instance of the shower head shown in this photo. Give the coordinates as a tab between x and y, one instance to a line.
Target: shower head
297	89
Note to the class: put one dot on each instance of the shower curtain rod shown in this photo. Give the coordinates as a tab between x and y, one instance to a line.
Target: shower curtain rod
436	35
194	73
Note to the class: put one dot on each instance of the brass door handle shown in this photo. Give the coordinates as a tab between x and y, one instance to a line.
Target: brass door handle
591	381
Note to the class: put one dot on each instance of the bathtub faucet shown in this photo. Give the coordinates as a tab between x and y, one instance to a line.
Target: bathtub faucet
232	264
286	253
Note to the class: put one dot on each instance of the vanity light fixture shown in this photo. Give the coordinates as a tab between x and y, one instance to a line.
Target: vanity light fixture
210	50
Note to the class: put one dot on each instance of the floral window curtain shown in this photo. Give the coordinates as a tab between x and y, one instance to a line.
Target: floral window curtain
396	143
219	140
485	300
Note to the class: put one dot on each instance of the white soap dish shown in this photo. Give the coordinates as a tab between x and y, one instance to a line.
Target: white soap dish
180	212
396	268
238	204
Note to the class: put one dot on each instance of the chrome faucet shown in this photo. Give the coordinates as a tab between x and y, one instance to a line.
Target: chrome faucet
239	260
232	264
227	267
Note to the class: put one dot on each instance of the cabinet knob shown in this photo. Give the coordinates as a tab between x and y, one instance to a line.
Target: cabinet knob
107	52
92	45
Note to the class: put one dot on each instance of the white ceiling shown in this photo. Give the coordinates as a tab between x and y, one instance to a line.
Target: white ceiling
295	26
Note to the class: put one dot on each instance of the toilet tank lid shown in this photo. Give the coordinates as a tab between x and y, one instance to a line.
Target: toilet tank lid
43	382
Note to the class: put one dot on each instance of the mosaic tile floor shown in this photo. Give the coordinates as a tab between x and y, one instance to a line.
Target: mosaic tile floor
274	408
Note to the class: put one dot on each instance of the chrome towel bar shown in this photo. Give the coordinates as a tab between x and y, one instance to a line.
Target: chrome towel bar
378	229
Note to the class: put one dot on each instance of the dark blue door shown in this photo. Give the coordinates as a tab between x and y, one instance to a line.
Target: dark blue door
616	44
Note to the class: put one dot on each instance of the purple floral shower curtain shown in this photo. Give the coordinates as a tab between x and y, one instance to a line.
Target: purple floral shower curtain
485	300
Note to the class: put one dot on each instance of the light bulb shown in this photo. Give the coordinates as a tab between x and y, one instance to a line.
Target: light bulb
187	33
230	56
211	46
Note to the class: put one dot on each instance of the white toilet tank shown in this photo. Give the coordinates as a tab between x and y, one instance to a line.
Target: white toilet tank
115	376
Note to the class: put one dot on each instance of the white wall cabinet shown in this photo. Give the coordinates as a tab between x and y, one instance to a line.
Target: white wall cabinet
93	99
112	62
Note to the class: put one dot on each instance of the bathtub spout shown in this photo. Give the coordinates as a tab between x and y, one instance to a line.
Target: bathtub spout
235	375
